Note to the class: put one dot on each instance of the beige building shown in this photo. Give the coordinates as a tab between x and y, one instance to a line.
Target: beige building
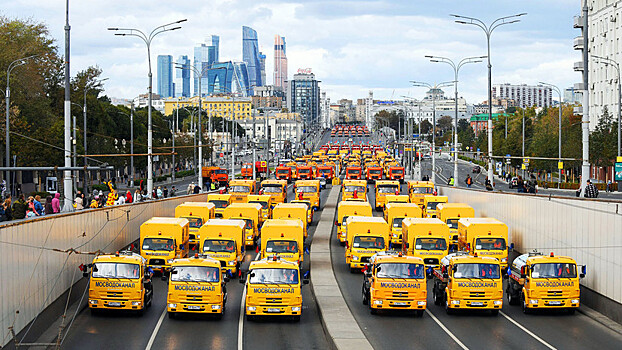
220	106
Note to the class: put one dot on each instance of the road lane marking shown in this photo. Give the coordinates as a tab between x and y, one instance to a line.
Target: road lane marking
528	332
241	318
155	331
446	330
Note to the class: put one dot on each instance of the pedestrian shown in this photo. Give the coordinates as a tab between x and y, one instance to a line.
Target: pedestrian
2	213
165	192
48	205
469	181
19	207
8	212
590	190
197	189
128	197
213	186
608	189
94	202
191	188
488	185
172	194
520	186
78	203
37	205
31	207
160	193
120	200
56	202
451	181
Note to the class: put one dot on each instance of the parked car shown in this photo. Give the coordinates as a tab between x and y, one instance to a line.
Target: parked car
477	169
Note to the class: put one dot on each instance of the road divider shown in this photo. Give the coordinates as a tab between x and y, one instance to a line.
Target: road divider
340	327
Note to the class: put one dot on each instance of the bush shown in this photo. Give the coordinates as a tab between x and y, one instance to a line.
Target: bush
184	173
43	195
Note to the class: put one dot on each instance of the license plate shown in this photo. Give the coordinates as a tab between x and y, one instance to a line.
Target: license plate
555	302
271	310
114	303
400	304
194	307
477	303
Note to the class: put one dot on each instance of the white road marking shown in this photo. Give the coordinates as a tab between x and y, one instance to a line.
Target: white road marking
241	318
528	332
446	330
155	331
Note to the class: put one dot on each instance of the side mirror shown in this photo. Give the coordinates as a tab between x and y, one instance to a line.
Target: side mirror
337	223
523	272
445	275
305	281
85	274
164	278
511	248
581	275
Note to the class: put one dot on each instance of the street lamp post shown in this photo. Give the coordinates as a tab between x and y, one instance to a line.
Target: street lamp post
456	68
559	141
488	29
434	89
148	39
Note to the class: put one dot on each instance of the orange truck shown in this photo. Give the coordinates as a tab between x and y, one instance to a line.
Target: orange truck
353	173
325	171
396	173
215	174
283	173
373	173
305	172
247	171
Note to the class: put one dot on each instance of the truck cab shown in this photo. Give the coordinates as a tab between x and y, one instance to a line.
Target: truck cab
396	173
247	171
373	173
223	240
394	198
346	209
196	286
196	213
283	173
354	189
365	236
485	237
220	201
304	172
430	203
427	239
308	189
417	190
383	188
466	282
325	171
393	281
307	203
164	239
539	281
273	288
265	200
292	211
395	214
240	189
354	172
250	213
275	188
450	213
283	238
120	281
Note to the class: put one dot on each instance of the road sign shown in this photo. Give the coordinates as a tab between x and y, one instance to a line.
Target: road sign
222	155
560	165
526	160
523	166
618	171
619	159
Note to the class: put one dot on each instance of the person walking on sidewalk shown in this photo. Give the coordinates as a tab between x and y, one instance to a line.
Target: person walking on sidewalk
469	181
590	190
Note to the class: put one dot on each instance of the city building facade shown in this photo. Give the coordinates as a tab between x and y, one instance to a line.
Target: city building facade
262	64
303	96
165	76
217	106
250	55
182	77
227	77
524	95
280	62
479	122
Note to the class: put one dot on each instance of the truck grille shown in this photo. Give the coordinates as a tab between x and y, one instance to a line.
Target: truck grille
365	259
114	294
430	261
400	295
223	263
477	294
156	262
555	293
192	298
274	300
192	236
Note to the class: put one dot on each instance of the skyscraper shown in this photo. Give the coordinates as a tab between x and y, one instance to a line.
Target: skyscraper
303	96
214	41
262	64
182	77
250	55
205	55
165	76
280	61
234	78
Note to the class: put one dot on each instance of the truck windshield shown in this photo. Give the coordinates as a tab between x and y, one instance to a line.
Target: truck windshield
432	205
400	270
354	171
325	171
194	222
272	188
359	189
248	224
195	274
268	276
264	205
239	189
220	204
397	171
387	188
430	244
220	171
165	244
421	190
219	246
367	242
375	172
490	243
554	270
452	223
476	271
115	270
306	189
282	247
397	222
283	171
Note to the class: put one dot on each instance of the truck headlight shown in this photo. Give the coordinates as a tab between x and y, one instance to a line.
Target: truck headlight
215	307
93	302
377	302
249	237
504	260
265	215
573	301
395	235
420	302
135	303
296	309
455	302
231	263
355	258
533	301
169	261
497	302
172	306
252	308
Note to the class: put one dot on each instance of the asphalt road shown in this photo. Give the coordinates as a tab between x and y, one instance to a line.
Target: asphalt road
127	331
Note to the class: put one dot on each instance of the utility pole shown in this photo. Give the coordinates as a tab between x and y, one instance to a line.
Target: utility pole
67	184
131	143
585	119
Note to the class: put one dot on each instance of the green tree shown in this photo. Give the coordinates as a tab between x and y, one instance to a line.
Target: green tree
603	141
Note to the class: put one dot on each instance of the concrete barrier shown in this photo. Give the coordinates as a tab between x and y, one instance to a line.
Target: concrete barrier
39	258
342	330
590	231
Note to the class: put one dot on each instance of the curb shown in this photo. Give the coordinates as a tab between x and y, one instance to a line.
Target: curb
600	318
340	327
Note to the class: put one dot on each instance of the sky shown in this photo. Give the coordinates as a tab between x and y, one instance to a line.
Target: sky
352	46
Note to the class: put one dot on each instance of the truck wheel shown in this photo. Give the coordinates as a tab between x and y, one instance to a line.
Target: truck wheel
250	317
494	312
571	311
171	315
448	310
526	310
419	313
365	300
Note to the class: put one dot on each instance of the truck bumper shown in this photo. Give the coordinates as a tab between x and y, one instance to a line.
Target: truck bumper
553	303
196	308
273	310
394	304
108	304
475	304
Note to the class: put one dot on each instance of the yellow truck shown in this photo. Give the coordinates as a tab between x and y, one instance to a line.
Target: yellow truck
395	213
223	240
485	237
309	209
275	188
220	201
120	281
265	200
427	239
283	238
450	213
249	212
417	190
430	203
292	211
393	281
467	282
196	213
345	209
308	189
384	188
196	286
539	281
164	239
240	189
273	288
354	190
395	198
366	236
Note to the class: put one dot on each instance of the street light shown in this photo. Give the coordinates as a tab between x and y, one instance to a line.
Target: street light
7	97
488	29
606	61
86	87
148	39
433	88
559	143
131	116
456	67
